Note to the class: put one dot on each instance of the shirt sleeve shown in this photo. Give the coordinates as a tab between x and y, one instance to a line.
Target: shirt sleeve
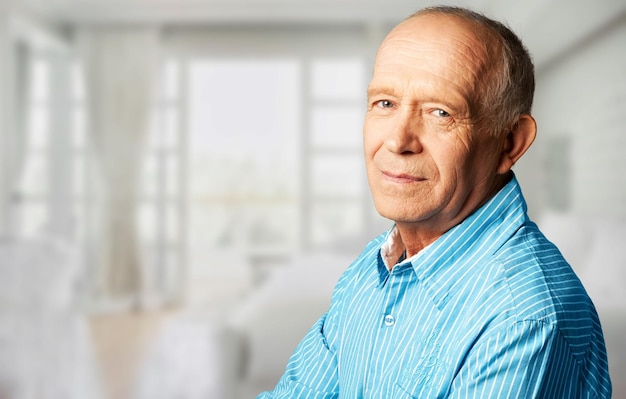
530	359
311	371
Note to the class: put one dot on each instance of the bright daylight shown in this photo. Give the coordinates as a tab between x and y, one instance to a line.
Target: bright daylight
183	182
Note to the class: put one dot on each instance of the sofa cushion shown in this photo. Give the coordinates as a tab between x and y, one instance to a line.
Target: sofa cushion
37	273
277	315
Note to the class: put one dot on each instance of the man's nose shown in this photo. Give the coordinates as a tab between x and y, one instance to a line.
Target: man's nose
404	136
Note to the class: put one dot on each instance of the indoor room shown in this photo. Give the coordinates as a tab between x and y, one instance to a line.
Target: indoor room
182	181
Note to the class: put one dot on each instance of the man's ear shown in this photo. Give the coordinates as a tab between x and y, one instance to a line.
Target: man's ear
517	142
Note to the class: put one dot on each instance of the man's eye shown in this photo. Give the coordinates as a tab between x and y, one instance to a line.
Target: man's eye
441	113
384	104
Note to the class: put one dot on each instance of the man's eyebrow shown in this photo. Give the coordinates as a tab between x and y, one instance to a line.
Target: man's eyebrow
376	89
388	90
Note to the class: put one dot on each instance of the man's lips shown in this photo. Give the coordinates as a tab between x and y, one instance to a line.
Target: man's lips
402	177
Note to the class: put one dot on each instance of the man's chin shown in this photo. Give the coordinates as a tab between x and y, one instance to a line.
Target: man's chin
402	216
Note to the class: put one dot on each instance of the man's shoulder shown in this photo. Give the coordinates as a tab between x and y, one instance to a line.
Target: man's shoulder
529	258
541	284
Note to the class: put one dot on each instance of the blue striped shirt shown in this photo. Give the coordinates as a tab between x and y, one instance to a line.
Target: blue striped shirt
489	310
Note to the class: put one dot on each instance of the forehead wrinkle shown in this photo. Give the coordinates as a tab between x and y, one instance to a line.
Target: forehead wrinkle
452	50
388	77
464	52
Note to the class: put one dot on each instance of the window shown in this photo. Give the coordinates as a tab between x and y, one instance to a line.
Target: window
32	166
80	154
338	190
275	157
248	160
160	212
244	167
50	153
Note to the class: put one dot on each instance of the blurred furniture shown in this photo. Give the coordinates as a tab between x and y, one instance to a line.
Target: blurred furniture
270	321
45	348
190	356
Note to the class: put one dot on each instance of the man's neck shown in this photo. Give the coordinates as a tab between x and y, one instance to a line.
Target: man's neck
418	235
415	239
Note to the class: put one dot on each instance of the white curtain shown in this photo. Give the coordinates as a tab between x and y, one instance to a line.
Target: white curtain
4	125
120	70
21	96
14	73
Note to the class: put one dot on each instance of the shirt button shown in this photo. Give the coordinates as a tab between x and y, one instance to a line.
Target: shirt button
389	320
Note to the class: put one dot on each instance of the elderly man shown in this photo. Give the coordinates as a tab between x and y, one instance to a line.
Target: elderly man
463	297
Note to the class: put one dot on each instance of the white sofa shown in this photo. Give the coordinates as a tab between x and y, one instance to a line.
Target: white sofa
271	321
45	347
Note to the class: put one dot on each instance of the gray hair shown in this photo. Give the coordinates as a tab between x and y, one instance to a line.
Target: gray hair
509	90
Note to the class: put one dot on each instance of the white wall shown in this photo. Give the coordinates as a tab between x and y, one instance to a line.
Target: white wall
582	97
18	27
4	127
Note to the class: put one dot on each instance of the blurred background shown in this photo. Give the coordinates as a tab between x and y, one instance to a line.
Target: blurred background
181	181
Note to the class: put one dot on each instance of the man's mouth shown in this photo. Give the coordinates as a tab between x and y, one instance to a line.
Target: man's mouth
402	177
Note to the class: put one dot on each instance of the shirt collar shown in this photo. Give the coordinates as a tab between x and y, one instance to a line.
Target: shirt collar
477	237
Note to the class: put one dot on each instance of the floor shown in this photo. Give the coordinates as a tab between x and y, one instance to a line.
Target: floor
169	354
120	340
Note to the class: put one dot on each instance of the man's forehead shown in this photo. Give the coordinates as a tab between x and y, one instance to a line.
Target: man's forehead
439	34
416	89
439	45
